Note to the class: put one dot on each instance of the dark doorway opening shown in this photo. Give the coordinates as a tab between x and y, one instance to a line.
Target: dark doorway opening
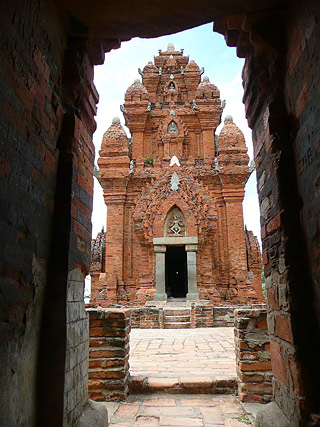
176	272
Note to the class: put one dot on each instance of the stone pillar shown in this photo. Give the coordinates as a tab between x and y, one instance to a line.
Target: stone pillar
160	294
114	246
192	294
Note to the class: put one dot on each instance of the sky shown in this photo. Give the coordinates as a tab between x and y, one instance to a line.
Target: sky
221	65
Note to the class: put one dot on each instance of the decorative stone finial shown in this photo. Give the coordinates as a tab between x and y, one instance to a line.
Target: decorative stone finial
175	181
228	118
206	79
170	47
116	121
136	81
174	161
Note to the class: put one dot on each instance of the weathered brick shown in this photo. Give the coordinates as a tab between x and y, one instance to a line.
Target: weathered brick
278	364
147	205
95	385
283	328
109	354
252	355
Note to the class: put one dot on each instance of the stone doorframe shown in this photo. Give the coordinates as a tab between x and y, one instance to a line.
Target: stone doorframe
191	247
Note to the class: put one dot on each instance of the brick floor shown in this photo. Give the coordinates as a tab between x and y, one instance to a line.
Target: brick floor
182	353
190	358
178	410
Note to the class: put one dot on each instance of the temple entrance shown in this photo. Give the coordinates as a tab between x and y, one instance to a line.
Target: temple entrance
176	272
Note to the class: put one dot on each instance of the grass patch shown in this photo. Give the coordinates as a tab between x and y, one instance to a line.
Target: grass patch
243	419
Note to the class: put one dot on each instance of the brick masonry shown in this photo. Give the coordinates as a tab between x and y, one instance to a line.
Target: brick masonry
200	316
77	353
47	96
48	102
281	106
109	353
197	316
252	346
136	179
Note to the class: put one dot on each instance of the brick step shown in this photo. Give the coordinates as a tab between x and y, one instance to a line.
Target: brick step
177	325
176	302
177	319
177	311
186	385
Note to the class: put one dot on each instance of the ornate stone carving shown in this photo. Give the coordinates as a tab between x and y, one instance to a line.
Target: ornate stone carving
175	224
164	127
175	181
190	192
172	128
174	161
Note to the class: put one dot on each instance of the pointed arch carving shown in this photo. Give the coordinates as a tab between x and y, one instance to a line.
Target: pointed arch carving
174	201
172	128
163	128
175	223
171	85
193	200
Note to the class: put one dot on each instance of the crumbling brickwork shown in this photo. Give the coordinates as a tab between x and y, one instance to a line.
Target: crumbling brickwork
151	194
252	346
254	261
109	353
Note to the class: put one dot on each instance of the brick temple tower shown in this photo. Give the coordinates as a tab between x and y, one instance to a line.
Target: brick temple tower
174	194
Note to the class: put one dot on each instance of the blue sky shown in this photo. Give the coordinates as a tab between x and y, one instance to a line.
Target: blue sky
221	65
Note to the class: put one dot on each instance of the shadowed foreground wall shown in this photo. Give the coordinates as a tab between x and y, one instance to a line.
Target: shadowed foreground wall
31	55
47	107
282	103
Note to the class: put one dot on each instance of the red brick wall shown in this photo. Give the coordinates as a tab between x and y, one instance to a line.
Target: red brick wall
33	43
201	316
109	331
281	96
252	347
47	107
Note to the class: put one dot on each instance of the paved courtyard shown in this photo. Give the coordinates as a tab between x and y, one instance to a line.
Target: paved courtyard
204	352
168	356
178	410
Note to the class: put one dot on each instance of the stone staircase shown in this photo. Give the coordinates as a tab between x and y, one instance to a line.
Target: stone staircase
176	318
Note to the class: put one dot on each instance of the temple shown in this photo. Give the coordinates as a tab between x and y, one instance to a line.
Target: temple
174	193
